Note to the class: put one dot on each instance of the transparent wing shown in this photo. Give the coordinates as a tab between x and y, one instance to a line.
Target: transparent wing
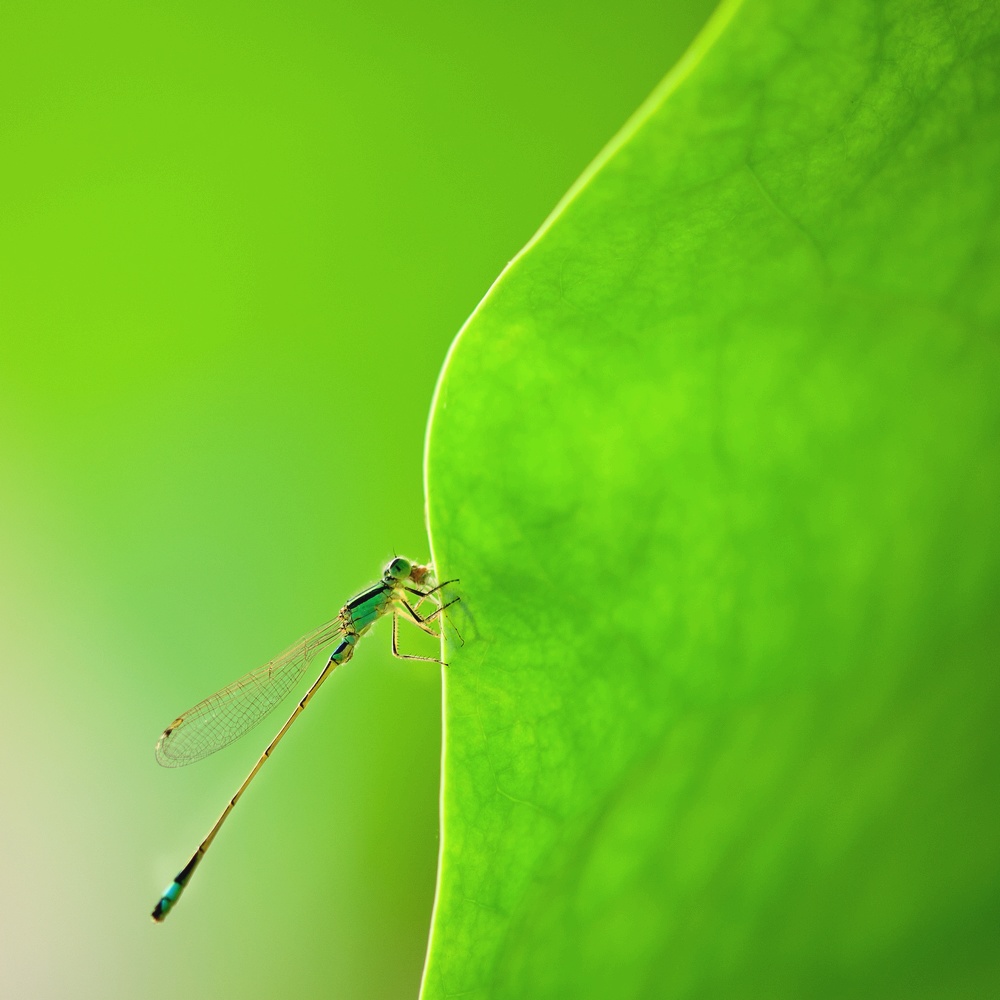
232	712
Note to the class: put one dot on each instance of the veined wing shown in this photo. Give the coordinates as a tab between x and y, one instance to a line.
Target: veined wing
232	712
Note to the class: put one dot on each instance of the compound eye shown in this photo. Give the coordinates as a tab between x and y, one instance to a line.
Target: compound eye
399	568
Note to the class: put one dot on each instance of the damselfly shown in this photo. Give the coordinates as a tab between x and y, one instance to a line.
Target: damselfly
230	713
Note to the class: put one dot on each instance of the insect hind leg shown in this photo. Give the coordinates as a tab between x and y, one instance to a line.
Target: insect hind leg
409	656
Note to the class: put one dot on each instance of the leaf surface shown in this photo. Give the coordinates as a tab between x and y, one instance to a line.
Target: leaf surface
716	461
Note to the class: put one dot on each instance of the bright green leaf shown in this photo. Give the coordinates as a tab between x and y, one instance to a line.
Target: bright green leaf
717	463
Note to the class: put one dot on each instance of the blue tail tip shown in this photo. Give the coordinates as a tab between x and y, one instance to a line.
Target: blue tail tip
167	900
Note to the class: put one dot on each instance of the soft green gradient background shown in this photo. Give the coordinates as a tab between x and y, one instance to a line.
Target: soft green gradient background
236	243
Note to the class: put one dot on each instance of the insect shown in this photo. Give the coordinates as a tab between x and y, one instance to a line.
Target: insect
230	713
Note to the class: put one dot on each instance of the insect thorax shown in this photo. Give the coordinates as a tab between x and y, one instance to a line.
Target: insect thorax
364	610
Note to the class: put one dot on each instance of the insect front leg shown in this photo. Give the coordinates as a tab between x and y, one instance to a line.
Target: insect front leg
427	594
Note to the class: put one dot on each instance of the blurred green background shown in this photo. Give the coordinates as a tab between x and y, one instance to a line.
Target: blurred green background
236	243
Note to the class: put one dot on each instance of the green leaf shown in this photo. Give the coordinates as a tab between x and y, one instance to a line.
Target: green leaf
716	461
